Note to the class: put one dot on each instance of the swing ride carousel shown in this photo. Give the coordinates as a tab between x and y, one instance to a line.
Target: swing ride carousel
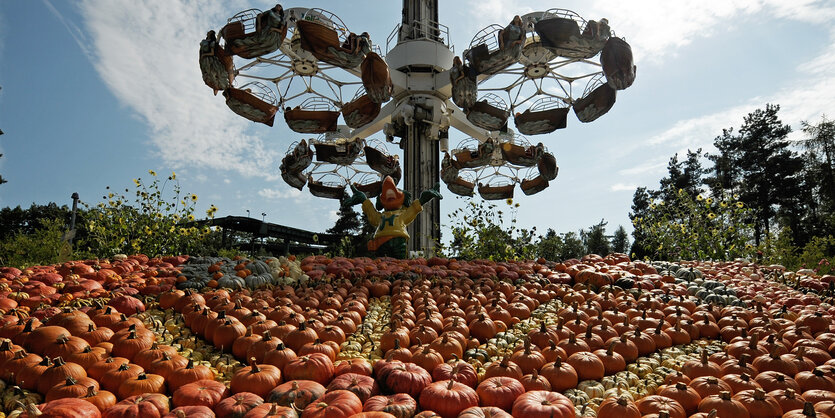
337	89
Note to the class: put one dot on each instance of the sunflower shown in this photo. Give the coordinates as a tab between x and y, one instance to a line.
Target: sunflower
509	201
152	172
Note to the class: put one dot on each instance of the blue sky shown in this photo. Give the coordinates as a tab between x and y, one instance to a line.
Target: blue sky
97	92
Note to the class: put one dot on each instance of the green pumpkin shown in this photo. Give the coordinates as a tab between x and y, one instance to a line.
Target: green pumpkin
477	354
258	267
231	282
689	274
254	281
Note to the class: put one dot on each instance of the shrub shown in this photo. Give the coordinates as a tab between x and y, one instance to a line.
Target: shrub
160	222
479	231
697	228
43	246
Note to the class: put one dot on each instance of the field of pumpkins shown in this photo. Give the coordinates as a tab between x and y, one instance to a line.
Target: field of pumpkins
318	337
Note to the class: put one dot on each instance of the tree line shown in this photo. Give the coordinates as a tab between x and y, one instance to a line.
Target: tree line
485	230
784	191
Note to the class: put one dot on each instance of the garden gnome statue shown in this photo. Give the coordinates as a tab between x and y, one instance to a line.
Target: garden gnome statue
398	211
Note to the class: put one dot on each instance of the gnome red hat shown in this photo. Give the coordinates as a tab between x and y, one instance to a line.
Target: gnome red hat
391	197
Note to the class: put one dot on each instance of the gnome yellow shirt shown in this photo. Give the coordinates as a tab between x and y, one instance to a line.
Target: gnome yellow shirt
391	223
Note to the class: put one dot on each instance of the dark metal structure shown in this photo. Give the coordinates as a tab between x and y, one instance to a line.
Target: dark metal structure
292	239
413	89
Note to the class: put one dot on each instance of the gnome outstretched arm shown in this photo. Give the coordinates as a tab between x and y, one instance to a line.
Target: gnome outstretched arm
367	207
429	194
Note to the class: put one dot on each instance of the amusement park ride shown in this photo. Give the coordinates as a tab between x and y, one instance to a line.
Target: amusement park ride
534	70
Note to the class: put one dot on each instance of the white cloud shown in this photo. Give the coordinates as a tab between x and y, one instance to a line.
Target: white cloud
287	193
146	53
498	11
623	187
802	99
73	29
657	28
696	131
650	166
227	181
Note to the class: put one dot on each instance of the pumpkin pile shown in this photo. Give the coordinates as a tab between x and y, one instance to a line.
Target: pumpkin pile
336	337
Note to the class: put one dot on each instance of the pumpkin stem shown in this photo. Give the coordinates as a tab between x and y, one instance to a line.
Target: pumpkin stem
725	395
91	391
809	410
31	409
142	376
450	385
622	401
254	366
800	352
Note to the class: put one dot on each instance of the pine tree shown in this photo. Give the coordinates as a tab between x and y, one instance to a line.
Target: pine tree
759	166
596	241
725	175
640	207
354	230
819	176
573	246
683	175
550	246
347	223
620	241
